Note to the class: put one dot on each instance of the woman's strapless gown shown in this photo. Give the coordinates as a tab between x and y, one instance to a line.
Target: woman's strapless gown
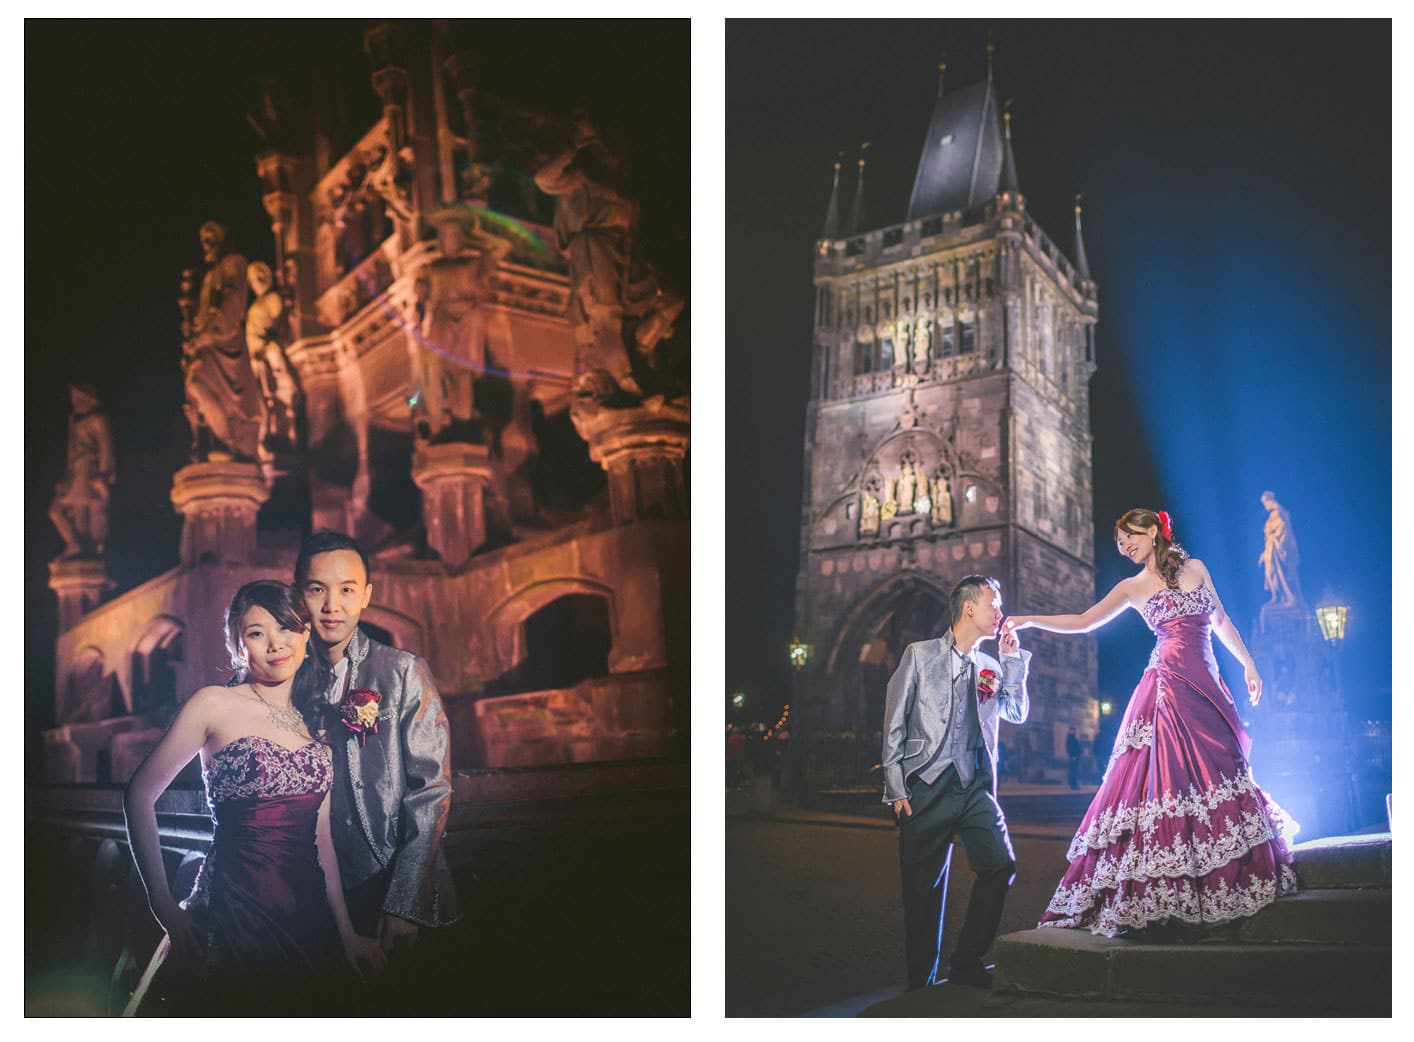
1179	829
271	942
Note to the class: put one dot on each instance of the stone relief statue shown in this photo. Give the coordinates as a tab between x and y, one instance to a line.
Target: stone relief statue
449	347
869	514
80	507
922	334
901	341
889	508
224	404
942	501
618	308
1280	558
906	482
265	337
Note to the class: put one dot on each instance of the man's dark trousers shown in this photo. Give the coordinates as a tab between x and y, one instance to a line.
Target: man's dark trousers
941	811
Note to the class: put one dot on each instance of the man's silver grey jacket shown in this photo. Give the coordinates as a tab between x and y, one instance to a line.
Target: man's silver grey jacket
392	795
919	704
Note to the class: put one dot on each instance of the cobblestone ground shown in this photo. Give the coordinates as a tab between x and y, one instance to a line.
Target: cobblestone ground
815	916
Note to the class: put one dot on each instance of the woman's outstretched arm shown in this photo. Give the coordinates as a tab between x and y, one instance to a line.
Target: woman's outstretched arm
1091	618
183	740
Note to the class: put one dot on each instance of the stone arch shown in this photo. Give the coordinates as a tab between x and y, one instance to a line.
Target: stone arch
904	608
393	627
153	680
89	691
506	622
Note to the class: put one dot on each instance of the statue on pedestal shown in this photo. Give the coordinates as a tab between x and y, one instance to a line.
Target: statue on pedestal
224	404
265	336
922	336
1280	558
942	501
618	309
80	507
449	346
869	514
905	488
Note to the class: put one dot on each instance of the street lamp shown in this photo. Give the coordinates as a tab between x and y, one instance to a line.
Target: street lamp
738	700
1331	618
799	659
1332	621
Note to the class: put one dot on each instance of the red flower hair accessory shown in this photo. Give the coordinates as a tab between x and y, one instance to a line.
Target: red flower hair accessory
1166	525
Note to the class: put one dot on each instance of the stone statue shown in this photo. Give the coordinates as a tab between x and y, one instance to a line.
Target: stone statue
921	335
80	507
224	404
901	337
449	346
1280	558
618	309
869	514
889	507
906	482
265	336
942	501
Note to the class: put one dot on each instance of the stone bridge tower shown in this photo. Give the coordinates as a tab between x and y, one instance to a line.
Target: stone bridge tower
947	431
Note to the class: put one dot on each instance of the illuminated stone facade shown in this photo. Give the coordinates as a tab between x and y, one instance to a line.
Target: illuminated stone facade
551	607
947	433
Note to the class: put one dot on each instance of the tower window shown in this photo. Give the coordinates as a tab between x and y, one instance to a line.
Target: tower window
947	338
969	337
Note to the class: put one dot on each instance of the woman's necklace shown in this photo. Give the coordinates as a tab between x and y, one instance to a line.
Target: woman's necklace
289	719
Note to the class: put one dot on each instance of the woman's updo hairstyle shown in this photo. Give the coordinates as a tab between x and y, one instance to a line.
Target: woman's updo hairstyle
1168	555
277	598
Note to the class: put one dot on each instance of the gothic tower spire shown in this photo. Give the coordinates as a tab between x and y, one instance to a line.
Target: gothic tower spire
856	217
961	163
1081	264
1008	181
832	212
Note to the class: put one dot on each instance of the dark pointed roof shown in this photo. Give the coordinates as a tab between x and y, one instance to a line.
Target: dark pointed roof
832	212
1081	264
856	213
961	165
1008	180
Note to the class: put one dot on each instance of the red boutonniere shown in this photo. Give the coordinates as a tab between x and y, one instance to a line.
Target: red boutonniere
987	684
359	712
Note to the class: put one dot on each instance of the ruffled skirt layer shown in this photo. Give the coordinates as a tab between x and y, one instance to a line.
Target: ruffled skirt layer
1179	830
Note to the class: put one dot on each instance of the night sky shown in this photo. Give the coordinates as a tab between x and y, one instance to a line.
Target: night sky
136	133
1237	221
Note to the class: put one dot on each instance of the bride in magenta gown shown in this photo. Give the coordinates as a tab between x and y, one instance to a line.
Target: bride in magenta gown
1179	831
265	930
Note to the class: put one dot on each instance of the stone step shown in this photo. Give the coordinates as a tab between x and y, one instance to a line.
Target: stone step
1078	965
1345	862
1335	916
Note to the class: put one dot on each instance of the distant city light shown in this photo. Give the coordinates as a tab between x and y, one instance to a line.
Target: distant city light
799	654
738	699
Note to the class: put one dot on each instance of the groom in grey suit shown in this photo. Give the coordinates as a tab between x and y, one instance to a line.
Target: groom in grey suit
392	791
940	752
